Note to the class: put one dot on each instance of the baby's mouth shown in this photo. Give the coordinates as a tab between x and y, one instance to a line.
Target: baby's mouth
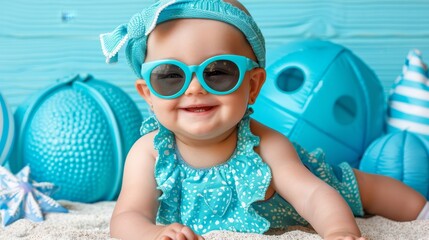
199	109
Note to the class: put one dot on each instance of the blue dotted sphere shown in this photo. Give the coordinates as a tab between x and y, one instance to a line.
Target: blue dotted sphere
76	135
401	155
7	131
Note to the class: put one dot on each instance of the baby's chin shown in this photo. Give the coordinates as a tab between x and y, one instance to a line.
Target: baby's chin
201	133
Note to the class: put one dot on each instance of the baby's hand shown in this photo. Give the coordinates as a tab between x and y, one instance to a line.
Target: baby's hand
178	231
343	236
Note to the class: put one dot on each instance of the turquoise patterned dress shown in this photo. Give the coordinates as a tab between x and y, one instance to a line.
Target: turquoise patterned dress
228	196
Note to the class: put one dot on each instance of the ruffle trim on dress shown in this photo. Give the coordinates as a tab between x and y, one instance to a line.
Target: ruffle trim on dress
341	177
170	173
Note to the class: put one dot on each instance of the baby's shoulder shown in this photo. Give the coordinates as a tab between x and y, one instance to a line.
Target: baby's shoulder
147	138
273	144
145	144
266	133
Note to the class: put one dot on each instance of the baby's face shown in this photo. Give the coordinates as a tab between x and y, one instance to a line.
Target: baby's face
197	113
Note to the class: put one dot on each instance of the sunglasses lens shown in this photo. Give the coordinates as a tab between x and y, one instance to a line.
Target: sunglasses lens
167	79
221	75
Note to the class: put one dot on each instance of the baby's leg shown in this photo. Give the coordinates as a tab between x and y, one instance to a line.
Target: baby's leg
388	197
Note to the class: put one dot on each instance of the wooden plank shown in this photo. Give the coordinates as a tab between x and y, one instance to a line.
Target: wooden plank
41	41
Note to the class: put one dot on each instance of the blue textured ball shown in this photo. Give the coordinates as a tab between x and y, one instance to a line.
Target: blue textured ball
7	131
76	135
400	155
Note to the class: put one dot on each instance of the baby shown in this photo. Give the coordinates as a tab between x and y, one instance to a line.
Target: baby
202	163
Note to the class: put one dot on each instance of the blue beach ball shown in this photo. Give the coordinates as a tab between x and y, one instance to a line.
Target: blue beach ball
401	155
76	135
321	95
7	131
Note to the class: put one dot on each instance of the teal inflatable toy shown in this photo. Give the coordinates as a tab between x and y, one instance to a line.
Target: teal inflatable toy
7	131
76	135
400	155
320	94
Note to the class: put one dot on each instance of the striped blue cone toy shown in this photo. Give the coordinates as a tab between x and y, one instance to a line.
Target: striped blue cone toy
409	99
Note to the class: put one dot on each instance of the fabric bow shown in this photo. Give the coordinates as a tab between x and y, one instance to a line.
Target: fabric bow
140	25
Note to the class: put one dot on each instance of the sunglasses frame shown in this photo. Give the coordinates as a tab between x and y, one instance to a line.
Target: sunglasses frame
244	64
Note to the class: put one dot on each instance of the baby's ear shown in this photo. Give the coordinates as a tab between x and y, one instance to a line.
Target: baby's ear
143	90
257	79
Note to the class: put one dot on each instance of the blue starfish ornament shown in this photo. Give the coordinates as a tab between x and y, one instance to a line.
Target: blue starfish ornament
20	197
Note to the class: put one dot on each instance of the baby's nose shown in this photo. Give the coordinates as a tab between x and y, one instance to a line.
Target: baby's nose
195	87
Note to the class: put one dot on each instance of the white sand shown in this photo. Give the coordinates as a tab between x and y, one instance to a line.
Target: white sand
91	221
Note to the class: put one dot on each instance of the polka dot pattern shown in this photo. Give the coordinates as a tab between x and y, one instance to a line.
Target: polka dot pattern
217	198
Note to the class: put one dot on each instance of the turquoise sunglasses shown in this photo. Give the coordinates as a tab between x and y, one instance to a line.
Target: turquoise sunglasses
220	75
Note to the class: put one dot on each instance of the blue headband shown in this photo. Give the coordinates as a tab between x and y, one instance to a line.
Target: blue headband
142	24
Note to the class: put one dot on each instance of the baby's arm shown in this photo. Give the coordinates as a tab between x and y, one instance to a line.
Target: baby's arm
321	205
136	208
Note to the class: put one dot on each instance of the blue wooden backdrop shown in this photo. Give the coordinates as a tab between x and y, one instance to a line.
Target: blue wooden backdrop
41	41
